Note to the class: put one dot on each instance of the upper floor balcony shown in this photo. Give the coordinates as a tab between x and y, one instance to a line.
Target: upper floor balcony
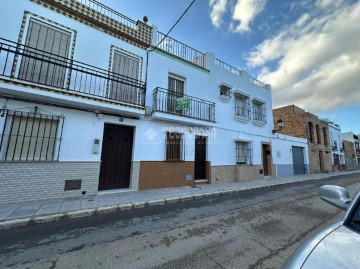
102	17
182	106
38	69
180	50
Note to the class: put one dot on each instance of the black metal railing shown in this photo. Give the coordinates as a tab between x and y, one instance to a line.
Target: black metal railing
28	64
183	105
257	82
180	50
30	136
228	67
109	12
259	114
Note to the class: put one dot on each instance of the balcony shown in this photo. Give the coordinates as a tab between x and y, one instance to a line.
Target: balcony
33	67
183	105
180	50
103	18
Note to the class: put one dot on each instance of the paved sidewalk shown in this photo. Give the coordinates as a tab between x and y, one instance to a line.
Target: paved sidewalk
26	213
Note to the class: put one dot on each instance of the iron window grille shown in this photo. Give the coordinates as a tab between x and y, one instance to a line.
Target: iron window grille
30	136
225	90
259	111
243	153
342	147
335	147
242	105
175	151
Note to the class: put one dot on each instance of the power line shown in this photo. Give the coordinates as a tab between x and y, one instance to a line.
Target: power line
182	15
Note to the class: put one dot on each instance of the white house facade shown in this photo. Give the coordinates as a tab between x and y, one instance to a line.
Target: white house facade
91	101
337	147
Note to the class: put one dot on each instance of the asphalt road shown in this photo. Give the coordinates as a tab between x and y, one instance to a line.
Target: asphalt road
251	229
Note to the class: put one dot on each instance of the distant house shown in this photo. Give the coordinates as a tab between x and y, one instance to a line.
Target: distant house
352	150
337	147
300	123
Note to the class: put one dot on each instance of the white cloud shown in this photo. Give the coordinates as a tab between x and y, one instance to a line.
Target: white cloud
218	8
317	59
244	13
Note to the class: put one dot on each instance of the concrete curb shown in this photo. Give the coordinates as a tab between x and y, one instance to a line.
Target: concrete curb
109	209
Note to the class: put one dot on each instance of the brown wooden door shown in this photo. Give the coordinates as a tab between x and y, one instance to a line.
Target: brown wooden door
200	157
116	157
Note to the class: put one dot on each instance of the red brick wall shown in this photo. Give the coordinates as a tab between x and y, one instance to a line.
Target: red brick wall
296	122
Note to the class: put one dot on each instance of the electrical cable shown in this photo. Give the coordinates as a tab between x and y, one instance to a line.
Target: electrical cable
182	15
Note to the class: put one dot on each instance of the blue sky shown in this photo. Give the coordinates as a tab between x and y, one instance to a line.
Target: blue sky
308	50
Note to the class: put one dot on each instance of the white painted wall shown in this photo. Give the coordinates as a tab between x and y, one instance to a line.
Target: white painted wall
79	130
197	81
225	111
92	46
335	135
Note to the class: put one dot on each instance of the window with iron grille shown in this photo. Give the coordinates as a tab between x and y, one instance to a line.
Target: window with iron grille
259	111
242	105
243	152
335	147
49	40
127	66
174	147
29	136
225	90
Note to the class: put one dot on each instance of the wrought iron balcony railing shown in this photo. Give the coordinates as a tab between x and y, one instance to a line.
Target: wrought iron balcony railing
180	50
183	105
27	64
109	12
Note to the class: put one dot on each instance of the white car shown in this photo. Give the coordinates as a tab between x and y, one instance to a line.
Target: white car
337	247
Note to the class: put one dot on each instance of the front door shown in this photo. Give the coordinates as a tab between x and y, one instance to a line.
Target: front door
200	157
266	159
116	157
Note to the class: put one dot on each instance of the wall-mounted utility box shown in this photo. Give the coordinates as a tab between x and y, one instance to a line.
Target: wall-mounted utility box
96	146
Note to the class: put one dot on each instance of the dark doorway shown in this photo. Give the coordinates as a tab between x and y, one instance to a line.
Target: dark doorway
298	160
266	157
200	157
116	157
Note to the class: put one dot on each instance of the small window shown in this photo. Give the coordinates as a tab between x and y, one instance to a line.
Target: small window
29	136
174	147
242	105
335	147
225	90
243	153
259	111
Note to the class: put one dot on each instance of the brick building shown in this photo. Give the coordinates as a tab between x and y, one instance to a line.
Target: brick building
302	124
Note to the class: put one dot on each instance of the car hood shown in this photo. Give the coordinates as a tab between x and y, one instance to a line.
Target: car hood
339	249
